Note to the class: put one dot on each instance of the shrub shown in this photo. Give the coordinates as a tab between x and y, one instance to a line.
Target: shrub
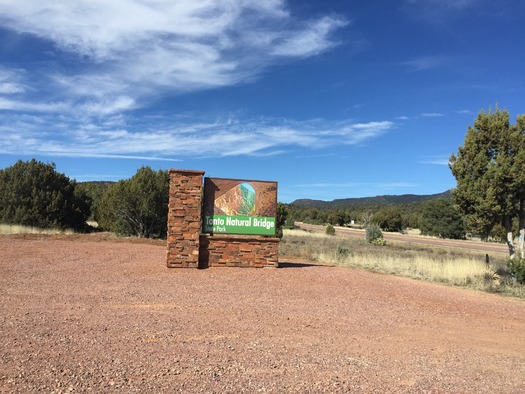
517	268
379	242
343	252
137	206
389	218
442	219
34	194
374	235
330	230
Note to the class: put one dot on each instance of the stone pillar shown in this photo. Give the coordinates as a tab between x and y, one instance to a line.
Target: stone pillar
184	218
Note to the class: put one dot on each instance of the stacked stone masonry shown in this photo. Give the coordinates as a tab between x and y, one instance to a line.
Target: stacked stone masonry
188	248
184	218
236	251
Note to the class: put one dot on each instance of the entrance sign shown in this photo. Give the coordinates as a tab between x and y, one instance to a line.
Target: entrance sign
236	206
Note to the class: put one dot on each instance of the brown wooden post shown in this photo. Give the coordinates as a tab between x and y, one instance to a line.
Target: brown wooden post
184	218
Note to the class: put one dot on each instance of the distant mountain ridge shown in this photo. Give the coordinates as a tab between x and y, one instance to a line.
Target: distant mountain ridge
377	200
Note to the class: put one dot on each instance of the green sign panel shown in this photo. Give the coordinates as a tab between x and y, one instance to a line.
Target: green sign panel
239	225
234	206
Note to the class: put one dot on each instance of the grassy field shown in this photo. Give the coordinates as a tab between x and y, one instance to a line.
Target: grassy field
430	263
19	229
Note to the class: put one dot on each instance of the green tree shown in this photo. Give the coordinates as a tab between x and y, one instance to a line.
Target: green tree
442	219
33	193
330	230
389	218
138	206
519	173
94	190
337	217
282	215
411	219
490	173
517	269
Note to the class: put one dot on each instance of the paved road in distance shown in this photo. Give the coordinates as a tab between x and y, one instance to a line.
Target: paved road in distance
485	247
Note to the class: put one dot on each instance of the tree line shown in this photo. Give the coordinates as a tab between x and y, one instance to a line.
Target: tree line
33	193
437	217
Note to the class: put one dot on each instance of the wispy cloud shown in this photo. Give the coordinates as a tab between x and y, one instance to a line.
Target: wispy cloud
464	112
424	63
10	82
441	160
171	138
17	105
310	42
125	50
106	59
422	115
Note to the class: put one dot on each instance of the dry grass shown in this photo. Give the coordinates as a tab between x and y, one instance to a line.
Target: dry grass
19	229
430	263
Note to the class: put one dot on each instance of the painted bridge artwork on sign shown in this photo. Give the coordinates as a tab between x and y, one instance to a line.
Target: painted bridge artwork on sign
237	206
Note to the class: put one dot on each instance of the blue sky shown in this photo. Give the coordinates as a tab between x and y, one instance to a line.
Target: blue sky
332	99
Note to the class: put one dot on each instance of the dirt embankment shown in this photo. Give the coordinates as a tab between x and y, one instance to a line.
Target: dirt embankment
84	314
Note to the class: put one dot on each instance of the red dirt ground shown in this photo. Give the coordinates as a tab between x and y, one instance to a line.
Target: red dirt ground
95	314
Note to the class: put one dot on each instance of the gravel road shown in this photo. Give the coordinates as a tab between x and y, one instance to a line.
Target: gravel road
94	314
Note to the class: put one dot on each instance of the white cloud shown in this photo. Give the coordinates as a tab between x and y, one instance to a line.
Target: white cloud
106	107
10	88
69	137
432	115
360	132
8	104
11	81
309	42
464	112
422	115
132	48
436	160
